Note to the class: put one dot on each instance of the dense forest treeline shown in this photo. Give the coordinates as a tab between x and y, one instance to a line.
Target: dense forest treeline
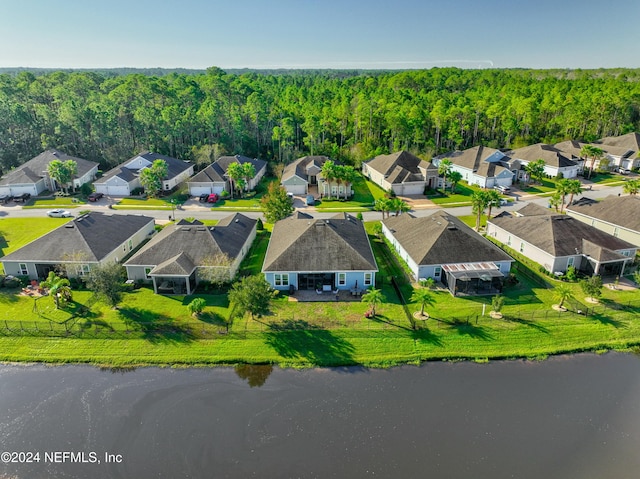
350	116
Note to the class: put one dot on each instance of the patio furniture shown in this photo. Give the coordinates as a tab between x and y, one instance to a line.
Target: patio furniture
326	288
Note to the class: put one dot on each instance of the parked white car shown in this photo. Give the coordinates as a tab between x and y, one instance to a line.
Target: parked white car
59	213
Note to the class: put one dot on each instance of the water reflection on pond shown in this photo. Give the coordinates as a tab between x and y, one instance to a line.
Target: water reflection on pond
567	417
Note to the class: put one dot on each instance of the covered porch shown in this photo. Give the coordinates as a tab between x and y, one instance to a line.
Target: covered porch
473	279
164	284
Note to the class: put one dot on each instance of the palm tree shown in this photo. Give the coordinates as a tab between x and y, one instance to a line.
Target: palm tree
479	203
248	172
535	169
398	206
349	175
562	188
59	288
444	169
383	205
631	187
555	200
595	153
574	187
424	297
373	297
329	173
235	173
493	200
562	293
454	177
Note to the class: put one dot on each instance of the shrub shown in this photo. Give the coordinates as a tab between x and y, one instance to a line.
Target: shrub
85	189
259	225
571	274
359	216
137	191
196	306
497	302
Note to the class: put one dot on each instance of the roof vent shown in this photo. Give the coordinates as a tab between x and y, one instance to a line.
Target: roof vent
237	220
326	221
452	227
69	225
210	228
201	228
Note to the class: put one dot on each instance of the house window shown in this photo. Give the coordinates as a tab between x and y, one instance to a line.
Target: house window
437	272
146	273
130	245
616	232
281	279
166	186
368	279
342	279
82	269
521	247
570	261
124	248
23	268
509	240
626	253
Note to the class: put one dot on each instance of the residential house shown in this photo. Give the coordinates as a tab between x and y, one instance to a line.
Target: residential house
403	172
617	215
442	247
325	255
214	179
89	239
556	161
32	177
557	242
482	166
123	179
184	254
621	151
304	176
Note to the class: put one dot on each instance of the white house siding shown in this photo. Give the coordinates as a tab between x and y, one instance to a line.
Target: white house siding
532	252
116	186
253	182
376	177
123	249
631	236
176	180
86	178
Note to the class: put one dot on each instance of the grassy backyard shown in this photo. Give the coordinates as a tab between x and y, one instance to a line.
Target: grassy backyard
153	329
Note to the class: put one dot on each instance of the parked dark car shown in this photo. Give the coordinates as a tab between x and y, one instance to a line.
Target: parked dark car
5	199
22	198
213	198
311	201
95	196
203	197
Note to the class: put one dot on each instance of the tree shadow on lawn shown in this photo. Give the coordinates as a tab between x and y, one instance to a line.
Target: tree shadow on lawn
526	322
156	328
378	318
608	320
425	335
9	296
294	339
464	328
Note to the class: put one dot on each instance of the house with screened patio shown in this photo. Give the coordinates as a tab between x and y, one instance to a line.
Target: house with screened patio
326	255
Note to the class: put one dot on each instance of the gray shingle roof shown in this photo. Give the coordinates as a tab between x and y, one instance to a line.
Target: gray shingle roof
174	167
32	170
618	210
551	155
442	239
475	159
336	244
125	173
558	235
92	236
532	209
216	171
176	244
401	167
630	141
299	167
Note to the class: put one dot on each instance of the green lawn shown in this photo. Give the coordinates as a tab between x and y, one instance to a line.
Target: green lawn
462	195
365	194
534	188
139	203
65	202
250	200
16	232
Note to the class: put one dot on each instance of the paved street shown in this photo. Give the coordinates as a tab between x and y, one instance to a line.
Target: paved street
194	209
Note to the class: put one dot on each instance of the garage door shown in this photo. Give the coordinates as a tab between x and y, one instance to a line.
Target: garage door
296	189
111	190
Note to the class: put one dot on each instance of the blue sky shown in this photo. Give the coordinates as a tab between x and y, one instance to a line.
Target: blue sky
320	33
